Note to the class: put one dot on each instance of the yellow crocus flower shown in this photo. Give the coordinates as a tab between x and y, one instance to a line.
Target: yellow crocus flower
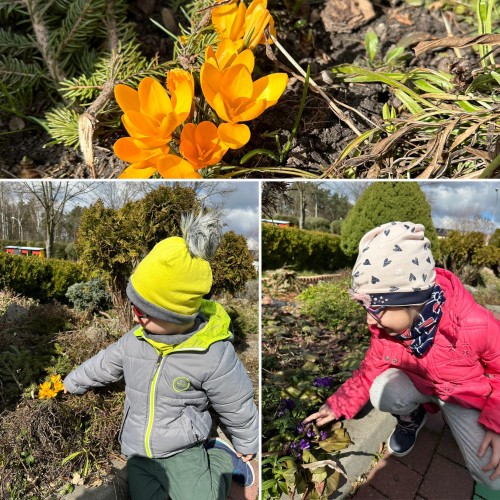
150	117
237	22
233	94
46	391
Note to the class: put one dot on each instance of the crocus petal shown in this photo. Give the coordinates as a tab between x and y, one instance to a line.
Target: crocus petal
219	106
127	98
248	110
227	52
187	145
132	172
270	87
180	83
235	136
174	167
134	150
140	125
210	78
236	82
247	59
154	99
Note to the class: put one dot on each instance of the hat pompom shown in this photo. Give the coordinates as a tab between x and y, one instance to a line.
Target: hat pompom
202	233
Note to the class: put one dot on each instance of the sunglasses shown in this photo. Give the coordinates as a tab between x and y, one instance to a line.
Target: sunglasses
373	311
138	313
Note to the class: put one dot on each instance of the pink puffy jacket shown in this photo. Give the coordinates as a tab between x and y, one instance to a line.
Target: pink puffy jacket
462	367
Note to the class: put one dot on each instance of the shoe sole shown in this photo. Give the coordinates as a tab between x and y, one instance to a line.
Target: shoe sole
395	453
229	445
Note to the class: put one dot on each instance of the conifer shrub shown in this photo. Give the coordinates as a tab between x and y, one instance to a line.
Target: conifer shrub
42	279
89	296
465	254
301	249
232	264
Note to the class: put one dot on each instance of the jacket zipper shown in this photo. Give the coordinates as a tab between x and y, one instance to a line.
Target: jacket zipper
152	405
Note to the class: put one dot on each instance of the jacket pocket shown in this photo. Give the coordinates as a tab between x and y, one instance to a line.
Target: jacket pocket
125	415
200	422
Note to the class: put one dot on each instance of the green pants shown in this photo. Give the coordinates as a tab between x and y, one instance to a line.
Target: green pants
191	474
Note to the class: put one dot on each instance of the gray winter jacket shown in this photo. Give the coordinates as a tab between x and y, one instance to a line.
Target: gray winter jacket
169	388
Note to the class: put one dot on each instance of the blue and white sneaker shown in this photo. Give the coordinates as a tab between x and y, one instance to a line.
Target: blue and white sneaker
242	471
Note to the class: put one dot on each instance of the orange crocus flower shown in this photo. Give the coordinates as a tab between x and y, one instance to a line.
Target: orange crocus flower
237	22
150	117
233	94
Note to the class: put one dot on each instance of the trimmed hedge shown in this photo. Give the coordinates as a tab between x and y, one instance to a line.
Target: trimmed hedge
301	249
42	279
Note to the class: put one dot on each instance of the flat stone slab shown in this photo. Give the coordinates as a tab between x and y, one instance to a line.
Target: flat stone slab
368	430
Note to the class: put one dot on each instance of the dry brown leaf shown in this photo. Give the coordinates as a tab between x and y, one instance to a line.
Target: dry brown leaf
456	42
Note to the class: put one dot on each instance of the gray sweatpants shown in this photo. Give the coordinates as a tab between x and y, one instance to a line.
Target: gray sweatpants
394	392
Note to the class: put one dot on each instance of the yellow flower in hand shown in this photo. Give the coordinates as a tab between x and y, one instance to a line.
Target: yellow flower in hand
57	383
46	392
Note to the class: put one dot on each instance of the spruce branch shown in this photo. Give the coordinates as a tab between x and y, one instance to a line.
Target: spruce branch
42	39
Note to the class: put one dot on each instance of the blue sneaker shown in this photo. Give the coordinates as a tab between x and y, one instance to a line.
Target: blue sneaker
242	471
404	436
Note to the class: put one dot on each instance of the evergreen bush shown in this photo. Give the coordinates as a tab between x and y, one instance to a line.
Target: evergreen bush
317	224
89	296
384	202
301	249
42	279
232	265
465	254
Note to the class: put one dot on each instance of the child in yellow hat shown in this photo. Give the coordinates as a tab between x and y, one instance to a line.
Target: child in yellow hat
176	363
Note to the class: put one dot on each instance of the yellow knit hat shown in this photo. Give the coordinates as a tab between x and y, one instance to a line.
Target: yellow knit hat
170	282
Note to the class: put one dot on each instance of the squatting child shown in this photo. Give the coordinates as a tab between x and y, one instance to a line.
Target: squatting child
176	362
432	347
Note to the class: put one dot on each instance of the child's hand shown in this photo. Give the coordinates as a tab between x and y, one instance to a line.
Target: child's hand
244	458
322	417
492	439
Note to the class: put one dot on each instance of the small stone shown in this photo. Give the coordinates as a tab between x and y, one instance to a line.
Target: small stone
16	123
168	18
147	7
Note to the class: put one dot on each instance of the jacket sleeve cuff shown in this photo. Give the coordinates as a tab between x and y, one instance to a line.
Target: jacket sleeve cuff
72	388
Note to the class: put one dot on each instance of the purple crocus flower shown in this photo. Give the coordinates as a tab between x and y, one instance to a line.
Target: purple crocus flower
280	413
293	445
310	433
323	435
323	382
300	428
304	444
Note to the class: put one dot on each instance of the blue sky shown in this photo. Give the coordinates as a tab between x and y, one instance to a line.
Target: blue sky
449	200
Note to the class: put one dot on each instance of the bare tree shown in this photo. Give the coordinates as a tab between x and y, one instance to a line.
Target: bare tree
54	197
273	194
353	189
117	194
211	194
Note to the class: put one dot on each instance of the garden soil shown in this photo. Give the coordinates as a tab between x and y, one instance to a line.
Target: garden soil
319	34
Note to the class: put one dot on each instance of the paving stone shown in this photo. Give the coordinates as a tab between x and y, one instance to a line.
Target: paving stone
395	480
446	480
419	458
366	492
449	448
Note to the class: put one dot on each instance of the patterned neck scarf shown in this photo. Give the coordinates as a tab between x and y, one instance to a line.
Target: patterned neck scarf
424	328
